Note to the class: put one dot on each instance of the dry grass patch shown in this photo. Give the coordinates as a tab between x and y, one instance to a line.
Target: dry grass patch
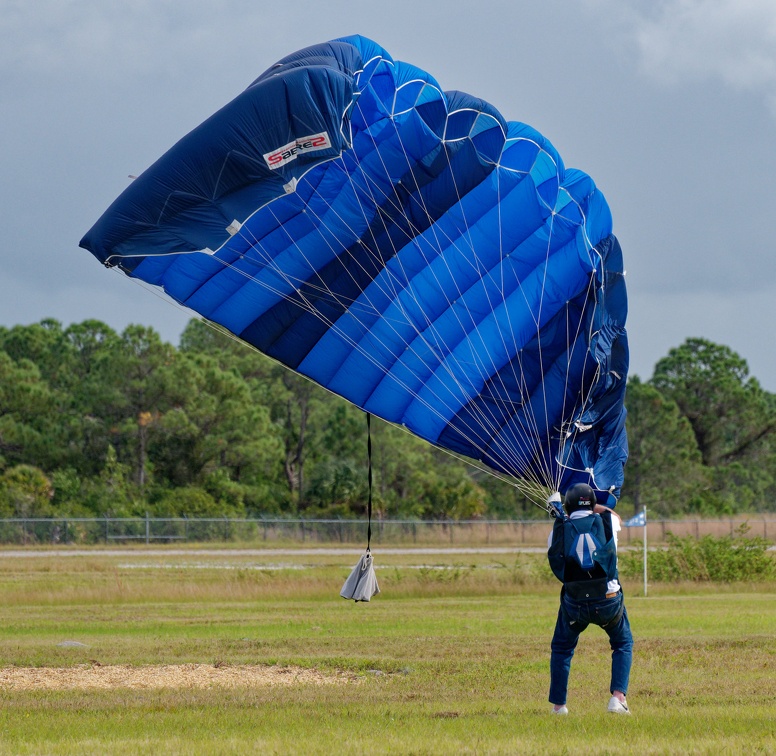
176	676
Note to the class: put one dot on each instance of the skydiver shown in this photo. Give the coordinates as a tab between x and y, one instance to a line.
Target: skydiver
582	551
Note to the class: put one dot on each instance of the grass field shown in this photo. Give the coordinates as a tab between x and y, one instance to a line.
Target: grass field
234	653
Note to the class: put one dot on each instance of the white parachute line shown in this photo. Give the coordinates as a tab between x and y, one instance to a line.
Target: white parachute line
307	306
534	491
568	438
548	429
155	290
266	262
353	303
528	423
565	439
486	274
532	433
389	276
490	420
570	343
526	426
500	423
515	421
583	392
514	424
523	485
515	427
541	305
312	310
467	391
288	278
334	297
432	330
444	364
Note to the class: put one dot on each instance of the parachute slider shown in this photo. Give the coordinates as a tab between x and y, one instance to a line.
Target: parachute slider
233	227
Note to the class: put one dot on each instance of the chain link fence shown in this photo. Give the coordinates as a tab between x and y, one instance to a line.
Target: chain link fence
283	531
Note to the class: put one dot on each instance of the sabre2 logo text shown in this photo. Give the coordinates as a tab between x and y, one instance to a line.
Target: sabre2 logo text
292	150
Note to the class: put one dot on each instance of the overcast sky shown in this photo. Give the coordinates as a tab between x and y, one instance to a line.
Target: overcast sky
670	105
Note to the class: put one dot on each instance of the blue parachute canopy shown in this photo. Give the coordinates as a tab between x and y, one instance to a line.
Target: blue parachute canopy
405	247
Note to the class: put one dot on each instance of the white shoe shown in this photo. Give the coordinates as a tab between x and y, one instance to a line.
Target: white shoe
617	707
562	710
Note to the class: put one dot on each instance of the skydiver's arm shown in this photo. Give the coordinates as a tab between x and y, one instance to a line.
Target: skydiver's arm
600	509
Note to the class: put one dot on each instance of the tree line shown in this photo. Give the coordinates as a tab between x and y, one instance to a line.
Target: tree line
95	422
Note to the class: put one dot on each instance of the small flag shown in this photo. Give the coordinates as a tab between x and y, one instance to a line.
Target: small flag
637	521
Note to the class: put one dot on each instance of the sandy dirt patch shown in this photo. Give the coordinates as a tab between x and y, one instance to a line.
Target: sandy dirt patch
165	676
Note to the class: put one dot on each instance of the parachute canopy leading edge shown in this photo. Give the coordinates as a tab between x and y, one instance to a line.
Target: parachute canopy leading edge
405	247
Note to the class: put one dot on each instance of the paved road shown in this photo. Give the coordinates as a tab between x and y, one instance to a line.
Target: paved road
152	551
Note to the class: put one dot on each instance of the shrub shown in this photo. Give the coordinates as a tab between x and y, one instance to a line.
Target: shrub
25	491
726	559
191	501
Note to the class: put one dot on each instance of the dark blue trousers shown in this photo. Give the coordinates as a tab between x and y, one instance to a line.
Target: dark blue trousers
573	619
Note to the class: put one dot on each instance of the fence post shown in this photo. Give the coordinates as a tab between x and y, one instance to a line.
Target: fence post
106	530
148	530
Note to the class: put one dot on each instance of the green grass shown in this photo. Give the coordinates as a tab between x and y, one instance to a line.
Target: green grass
462	654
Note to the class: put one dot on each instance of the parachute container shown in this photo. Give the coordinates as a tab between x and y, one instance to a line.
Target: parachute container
405	247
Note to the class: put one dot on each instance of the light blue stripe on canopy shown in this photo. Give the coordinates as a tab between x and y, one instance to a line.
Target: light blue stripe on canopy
405	247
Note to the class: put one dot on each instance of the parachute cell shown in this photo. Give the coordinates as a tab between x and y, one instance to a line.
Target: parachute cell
405	247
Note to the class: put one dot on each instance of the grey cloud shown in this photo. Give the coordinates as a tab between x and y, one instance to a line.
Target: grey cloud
93	91
732	42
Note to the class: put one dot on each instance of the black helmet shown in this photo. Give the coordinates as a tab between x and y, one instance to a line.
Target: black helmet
580	495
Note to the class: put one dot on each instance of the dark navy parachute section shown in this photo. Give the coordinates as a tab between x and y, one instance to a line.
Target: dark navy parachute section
405	247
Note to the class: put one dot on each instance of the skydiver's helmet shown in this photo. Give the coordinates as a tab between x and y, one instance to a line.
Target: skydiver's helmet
579	496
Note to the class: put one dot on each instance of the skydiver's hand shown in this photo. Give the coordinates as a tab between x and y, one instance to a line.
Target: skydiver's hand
554	506
600	509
